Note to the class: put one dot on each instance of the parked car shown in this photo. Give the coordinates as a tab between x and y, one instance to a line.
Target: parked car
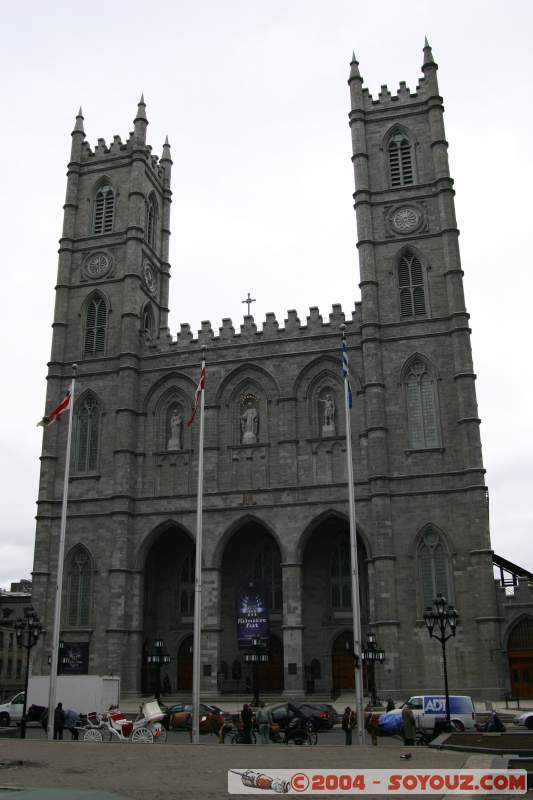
525	719
325	711
178	717
284	713
429	708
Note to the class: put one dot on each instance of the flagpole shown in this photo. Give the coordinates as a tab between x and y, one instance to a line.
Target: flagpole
60	559
356	608
198	575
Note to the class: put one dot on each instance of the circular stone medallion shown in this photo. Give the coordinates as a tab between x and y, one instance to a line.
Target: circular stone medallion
406	219
149	278
97	265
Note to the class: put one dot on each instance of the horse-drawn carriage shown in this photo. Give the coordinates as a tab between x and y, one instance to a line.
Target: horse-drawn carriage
146	729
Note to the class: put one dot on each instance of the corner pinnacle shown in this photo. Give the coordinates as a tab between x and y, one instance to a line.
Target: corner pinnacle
354	68
78	127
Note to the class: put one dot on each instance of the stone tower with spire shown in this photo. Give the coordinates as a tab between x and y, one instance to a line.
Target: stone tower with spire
275	511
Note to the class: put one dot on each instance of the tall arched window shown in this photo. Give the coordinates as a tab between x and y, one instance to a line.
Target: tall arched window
420	393
95	326
87	424
104	207
267	569
340	577
151	219
411	282
186	586
78	587
433	567
148	324
400	160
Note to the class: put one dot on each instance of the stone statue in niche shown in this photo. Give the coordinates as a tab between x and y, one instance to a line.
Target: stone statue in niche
176	430
249	422
328	425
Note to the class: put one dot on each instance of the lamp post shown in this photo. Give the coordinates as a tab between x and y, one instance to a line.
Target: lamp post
371	655
443	617
27	631
257	656
157	658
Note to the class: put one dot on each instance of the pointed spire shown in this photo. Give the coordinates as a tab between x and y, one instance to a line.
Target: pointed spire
166	151
354	68
78	127
428	55
141	112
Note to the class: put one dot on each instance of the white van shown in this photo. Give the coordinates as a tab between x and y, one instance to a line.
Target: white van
12	710
430	707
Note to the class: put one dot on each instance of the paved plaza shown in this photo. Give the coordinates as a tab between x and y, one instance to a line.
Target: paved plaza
156	772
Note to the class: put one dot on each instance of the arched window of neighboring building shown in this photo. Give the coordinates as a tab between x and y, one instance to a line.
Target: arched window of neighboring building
104	207
340	577
87	434
186	586
148	324
78	587
433	567
411	283
421	403
151	221
400	151
267	570
95	326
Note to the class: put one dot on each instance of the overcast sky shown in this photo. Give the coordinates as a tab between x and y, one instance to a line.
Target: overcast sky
253	97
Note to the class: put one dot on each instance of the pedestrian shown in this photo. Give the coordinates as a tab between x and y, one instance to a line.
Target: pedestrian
246	719
390	704
408	725
349	722
166	685
372	726
59	721
263	717
72	723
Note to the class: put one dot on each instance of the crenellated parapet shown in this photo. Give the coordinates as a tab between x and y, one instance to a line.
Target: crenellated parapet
271	330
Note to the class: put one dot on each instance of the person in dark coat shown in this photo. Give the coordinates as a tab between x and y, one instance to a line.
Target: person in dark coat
59	721
348	723
390	704
247	719
408	725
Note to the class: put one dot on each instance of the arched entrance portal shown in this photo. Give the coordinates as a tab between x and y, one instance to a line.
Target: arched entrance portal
169	600
252	554
520	652
327	604
184	664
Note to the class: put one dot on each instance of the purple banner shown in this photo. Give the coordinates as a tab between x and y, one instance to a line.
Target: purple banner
252	614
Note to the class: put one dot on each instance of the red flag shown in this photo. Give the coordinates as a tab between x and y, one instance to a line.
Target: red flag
200	388
58	410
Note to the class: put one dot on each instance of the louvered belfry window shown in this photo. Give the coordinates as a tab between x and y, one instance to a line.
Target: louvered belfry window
78	587
421	407
433	568
411	282
95	327
104	207
400	161
151	215
88	419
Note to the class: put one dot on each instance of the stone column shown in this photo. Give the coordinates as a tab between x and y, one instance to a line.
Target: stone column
293	661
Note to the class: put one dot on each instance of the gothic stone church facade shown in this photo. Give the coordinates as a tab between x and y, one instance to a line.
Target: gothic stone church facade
275	504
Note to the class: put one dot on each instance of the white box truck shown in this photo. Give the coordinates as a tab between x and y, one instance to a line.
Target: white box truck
82	693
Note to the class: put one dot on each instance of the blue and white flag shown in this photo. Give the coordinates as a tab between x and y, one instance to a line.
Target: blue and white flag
346	368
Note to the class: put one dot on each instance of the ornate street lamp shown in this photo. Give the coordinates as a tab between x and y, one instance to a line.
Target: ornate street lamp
443	617
27	631
372	654
157	658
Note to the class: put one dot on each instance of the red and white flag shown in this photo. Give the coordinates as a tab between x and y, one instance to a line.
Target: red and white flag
200	388
57	411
